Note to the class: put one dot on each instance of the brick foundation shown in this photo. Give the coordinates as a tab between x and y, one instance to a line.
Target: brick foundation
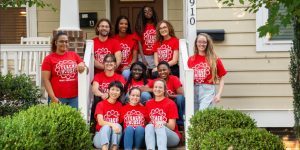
76	40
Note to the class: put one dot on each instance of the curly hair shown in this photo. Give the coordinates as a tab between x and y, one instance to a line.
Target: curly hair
110	34
160	38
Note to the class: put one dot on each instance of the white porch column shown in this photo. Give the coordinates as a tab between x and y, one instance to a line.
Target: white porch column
190	21
69	15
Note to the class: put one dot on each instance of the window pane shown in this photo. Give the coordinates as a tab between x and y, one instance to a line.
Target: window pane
285	33
12	25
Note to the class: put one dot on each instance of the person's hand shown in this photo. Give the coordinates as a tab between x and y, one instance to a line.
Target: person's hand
55	100
154	69
116	128
104	95
80	67
217	98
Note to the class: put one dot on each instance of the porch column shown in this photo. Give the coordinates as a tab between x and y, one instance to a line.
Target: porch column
190	21
69	24
69	15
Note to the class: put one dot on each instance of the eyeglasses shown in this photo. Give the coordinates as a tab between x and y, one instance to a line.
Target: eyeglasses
162	28
109	61
101	26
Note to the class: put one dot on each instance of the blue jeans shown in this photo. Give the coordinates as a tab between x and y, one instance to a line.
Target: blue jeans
107	136
180	102
163	137
134	138
203	96
73	102
126	74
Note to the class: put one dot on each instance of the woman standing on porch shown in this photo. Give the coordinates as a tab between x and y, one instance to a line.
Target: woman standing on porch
166	48
145	28
128	44
59	72
208	69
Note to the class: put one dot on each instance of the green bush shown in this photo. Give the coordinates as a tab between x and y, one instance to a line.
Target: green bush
212	119
240	139
46	127
17	93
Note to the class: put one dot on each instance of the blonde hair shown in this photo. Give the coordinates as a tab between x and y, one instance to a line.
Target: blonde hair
210	55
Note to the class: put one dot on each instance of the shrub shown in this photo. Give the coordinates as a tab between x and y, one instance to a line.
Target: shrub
236	139
17	93
46	127
212	119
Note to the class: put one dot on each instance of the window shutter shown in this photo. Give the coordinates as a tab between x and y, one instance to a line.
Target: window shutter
12	25
285	33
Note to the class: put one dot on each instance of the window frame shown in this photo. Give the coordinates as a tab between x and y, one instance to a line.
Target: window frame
264	43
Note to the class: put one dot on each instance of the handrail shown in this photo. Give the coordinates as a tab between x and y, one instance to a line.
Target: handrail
85	95
187	79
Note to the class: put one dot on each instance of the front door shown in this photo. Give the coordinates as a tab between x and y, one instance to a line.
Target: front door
131	8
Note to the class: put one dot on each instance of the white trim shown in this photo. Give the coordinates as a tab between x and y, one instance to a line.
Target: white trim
31	21
107	9
165	9
189	24
264	43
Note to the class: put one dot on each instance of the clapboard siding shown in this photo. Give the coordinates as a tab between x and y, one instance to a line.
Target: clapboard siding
257	102
255	80
250	77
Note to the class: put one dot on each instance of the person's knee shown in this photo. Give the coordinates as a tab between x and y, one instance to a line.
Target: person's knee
129	129
149	127
120	127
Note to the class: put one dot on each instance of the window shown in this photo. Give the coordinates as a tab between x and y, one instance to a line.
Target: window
281	42
17	22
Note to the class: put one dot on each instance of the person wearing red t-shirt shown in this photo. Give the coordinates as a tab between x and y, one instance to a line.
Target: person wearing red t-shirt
208	69
174	88
104	44
166	47
162	112
103	79
133	116
138	78
107	115
145	28
128	43
59	72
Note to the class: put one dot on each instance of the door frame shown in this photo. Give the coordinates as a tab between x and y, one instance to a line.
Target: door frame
165	9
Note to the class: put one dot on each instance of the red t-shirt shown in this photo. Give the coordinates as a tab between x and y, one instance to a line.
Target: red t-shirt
104	80
166	49
128	44
137	84
101	49
111	112
148	39
173	83
202	70
133	116
162	111
63	70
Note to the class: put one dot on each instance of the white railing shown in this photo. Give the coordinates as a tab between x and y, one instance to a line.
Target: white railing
85	95
187	79
20	56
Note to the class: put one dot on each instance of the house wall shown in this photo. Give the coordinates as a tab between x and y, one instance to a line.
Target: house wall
49	20
255	80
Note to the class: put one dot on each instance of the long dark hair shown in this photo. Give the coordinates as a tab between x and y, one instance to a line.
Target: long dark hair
144	74
110	27
128	31
117	84
141	20
54	40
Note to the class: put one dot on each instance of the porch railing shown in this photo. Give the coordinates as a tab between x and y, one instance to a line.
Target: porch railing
187	79
85	95
23	59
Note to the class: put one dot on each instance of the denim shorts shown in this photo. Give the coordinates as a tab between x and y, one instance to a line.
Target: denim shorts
203	96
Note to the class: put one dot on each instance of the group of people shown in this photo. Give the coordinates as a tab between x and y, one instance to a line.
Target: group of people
138	95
